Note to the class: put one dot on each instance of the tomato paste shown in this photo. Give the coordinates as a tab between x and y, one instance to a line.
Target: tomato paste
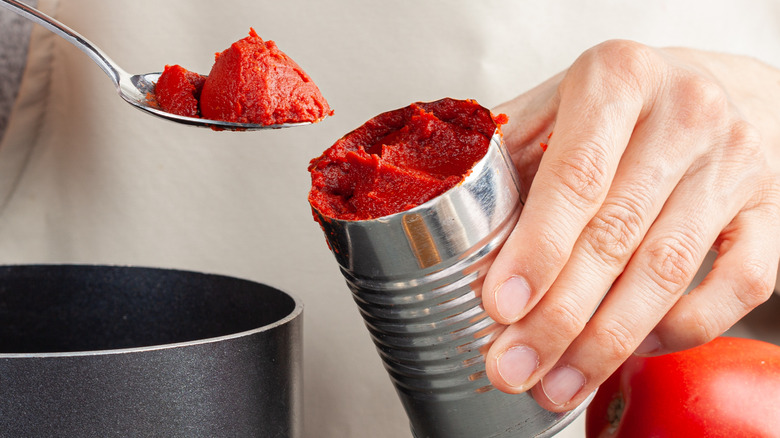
178	90
250	82
401	159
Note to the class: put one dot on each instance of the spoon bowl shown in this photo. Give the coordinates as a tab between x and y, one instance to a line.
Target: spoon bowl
137	90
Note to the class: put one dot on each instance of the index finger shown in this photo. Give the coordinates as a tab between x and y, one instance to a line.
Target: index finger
596	116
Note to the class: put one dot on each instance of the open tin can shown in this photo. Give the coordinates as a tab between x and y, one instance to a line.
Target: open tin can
416	277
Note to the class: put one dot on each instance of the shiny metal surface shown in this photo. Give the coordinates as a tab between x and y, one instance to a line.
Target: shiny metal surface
134	89
99	351
416	277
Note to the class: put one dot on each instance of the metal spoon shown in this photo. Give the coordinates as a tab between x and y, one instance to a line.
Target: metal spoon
134	89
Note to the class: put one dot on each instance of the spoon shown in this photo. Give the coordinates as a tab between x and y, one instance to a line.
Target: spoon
134	89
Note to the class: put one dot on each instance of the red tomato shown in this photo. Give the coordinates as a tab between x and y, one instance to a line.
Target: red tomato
729	387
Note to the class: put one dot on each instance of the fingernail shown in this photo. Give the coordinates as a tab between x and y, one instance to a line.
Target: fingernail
562	384
512	297
651	345
516	365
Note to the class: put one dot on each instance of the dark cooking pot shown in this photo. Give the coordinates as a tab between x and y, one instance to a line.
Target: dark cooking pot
107	351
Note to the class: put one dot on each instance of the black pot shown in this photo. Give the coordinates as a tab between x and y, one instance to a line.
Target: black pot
109	351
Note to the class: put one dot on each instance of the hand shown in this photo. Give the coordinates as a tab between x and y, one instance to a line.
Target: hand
657	156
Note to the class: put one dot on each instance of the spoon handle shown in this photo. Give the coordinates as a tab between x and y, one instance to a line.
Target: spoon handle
112	70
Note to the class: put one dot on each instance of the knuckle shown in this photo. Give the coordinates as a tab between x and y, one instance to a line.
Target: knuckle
614	341
582	174
701	101
745	134
615	231
700	328
626	63
766	198
672	262
565	319
552	248
702	92
744	143
758	280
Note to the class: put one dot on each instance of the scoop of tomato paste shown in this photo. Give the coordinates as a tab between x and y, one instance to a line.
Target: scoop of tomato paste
255	82
401	159
250	82
178	90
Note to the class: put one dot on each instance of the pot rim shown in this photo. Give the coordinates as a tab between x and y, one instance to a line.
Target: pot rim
293	314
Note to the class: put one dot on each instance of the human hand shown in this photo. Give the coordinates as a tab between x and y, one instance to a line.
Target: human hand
657	156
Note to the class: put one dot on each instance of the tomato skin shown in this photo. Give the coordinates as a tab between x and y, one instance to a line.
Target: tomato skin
729	387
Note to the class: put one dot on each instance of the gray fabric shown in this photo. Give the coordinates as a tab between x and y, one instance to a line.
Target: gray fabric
14	40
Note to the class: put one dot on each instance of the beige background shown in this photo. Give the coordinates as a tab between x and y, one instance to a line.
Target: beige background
86	178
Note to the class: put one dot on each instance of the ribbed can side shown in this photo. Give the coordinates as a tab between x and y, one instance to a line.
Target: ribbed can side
431	335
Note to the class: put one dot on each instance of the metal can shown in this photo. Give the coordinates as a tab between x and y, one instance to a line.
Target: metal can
416	277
